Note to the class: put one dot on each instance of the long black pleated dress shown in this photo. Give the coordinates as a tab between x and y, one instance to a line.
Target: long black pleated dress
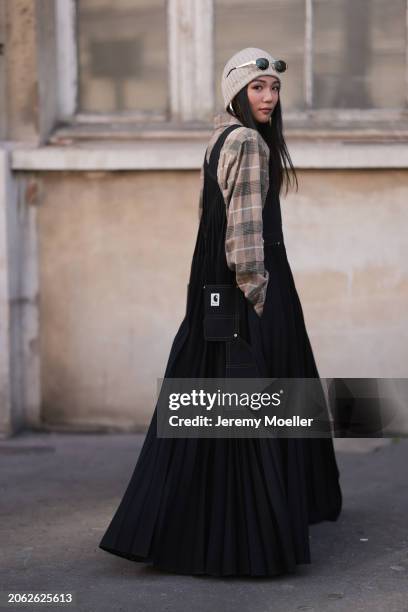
225	506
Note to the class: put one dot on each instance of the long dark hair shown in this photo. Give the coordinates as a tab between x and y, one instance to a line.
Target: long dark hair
272	133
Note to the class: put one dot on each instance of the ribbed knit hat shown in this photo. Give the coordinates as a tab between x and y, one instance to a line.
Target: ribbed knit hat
240	77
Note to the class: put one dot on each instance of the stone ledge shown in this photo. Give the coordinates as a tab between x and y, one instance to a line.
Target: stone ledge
188	155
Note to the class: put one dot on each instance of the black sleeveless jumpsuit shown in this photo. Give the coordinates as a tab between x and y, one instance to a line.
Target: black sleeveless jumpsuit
225	506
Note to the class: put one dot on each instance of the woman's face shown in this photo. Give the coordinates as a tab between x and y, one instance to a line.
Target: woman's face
263	95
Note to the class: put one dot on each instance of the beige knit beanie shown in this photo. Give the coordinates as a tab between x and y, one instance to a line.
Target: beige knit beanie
232	82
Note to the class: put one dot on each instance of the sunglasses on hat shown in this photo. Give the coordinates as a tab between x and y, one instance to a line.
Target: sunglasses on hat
263	63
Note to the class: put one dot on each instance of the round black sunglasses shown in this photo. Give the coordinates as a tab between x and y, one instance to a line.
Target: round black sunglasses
263	63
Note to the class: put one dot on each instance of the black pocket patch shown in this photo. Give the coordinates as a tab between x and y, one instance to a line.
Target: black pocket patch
221	312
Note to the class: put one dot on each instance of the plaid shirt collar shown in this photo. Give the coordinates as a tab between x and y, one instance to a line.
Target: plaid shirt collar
224	119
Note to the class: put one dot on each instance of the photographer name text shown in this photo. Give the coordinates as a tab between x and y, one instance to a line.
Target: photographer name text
252	422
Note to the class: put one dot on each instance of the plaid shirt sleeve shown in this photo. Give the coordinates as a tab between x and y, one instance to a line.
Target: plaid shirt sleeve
243	176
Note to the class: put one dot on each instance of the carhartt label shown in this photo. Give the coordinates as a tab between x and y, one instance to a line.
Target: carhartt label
215	299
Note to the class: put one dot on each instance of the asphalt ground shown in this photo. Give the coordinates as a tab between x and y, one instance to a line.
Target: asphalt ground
58	492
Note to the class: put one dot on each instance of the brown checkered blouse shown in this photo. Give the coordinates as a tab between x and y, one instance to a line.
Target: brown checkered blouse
243	177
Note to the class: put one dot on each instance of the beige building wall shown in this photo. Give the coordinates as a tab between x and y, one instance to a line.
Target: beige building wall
114	259
114	252
97	233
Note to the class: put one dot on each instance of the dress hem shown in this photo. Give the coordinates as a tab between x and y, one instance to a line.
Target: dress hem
232	574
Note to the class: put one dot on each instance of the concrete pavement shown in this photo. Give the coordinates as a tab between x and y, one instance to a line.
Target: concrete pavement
59	491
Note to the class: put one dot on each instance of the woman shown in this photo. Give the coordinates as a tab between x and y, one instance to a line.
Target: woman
229	507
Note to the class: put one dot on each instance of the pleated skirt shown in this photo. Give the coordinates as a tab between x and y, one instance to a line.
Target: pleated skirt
224	506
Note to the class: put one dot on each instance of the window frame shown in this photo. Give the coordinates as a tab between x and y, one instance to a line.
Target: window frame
189	44
191	94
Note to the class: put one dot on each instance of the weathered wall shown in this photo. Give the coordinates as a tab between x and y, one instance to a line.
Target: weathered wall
350	259
28	70
114	257
22	76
